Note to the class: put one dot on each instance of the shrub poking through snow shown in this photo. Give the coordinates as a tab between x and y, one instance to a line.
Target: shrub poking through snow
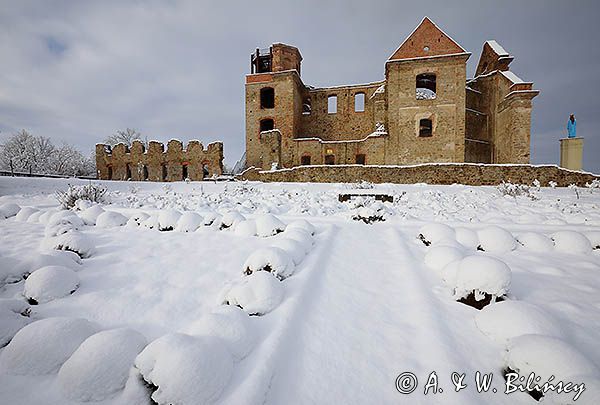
111	219
188	222
246	228
271	259
167	220
14	315
90	215
24	213
43	346
518	190
63	222
257	294
545	356
99	368
293	248
439	256
303	225
136	219
49	283
268	225
509	319
89	192
151	222
185	369
75	242
9	210
536	242
368	215
495	239
481	280
210	218
230	324
433	233
231	219
594	238
571	242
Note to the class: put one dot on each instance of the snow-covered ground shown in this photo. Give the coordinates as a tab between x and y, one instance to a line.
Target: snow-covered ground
250	293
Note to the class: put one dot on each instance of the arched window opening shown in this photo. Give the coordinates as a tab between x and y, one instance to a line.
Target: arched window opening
359	102
145	172
332	104
306	107
426	86
128	172
425	128
205	171
267	97
305	160
329	159
266	125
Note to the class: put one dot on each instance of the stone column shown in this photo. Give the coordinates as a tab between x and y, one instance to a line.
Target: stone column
571	153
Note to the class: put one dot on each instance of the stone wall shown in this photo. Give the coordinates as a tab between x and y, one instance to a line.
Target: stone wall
157	164
465	173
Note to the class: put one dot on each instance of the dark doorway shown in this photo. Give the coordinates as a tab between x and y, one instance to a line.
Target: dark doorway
145	172
184	172
110	172
164	173
128	172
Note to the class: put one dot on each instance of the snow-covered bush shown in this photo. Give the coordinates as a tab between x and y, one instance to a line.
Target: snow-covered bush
302	237
439	256
293	248
509	319
63	222
246	228
536	242
82	205
186	369
495	239
89	192
188	222
211	218
51	258
368	215
481	280
448	273
14	315
167	220
517	190
230	324
49	283
231	219
43	346
90	215
11	271
24	213
435	232
271	259
151	222
257	294
467	237
268	225
46	215
99	368
303	225
136	219
74	241
35	217
111	219
361	185
571	242
594	238
9	210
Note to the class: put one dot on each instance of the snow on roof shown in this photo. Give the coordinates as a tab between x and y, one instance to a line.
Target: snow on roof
497	48
512	77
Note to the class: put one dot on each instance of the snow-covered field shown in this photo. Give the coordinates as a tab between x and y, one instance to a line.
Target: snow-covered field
250	293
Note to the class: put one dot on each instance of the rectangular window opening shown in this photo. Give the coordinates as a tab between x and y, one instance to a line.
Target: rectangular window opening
332	104
359	102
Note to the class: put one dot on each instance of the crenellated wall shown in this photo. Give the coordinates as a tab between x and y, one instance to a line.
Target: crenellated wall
158	163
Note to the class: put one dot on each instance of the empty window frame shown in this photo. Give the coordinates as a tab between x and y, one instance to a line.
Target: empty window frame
329	159
267	97
361	159
305	160
184	172
306	107
266	125
359	102
426	86
425	128
332	104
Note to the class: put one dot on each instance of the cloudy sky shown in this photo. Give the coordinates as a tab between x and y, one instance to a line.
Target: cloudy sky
76	71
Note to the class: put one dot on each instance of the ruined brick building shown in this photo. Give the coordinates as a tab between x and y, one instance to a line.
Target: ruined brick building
425	110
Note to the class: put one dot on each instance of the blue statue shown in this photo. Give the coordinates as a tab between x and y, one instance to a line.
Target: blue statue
572	127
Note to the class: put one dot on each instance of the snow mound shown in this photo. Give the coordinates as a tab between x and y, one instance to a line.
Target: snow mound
509	319
271	259
268	225
63	222
136	219
482	275
90	215
72	241
246	228
9	210
167	220
186	369
49	283
35	217
43	346
231	219
54	258
46	215
594	238
111	219
293	248
188	222
13	317
302	237
257	294
151	222
100	366
24	214
11	271
571	242
303	225
495	239
82	205
546	356
536	242
448	273
433	233
211	218
439	256
467	237
231	325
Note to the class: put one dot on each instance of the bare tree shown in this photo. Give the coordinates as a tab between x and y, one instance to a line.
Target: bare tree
127	137
25	152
